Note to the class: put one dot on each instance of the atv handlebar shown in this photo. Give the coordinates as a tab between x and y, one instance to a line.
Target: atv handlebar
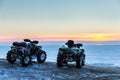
36	42
28	40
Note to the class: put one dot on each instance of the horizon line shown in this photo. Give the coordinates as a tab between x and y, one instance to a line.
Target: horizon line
58	40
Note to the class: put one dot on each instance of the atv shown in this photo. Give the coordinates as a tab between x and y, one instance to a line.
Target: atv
19	51
25	52
36	51
71	53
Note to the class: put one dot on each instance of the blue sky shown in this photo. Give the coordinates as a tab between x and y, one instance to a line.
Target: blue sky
59	18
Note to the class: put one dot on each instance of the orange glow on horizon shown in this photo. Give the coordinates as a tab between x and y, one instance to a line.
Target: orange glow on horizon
98	37
62	37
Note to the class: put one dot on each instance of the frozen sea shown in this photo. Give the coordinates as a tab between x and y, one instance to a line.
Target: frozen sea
95	54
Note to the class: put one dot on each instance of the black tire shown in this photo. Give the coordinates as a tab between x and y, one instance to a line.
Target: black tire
83	60
41	56
59	61
78	62
25	60
65	62
11	57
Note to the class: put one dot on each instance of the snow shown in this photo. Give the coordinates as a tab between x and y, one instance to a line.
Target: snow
49	71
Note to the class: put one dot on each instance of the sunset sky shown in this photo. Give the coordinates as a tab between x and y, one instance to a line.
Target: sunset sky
86	20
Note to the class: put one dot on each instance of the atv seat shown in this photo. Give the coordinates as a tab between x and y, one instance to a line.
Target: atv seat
19	44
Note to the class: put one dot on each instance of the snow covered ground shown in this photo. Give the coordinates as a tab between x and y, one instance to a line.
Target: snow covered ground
49	71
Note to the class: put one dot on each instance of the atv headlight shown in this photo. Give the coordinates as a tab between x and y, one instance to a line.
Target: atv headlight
60	52
40	47
80	50
12	47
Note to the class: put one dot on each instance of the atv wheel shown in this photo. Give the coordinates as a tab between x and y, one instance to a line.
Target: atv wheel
11	57
83	60
59	61
65	62
78	62
25	60
41	57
